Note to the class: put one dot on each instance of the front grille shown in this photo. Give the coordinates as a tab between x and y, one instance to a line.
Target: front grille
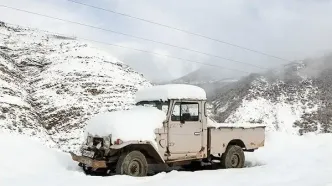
96	141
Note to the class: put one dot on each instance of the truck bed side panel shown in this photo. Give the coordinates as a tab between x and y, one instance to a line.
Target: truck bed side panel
252	138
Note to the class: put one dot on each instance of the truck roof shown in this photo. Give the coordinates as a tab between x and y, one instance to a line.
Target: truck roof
170	91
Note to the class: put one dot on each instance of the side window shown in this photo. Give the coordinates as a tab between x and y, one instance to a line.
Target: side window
176	112
185	112
189	111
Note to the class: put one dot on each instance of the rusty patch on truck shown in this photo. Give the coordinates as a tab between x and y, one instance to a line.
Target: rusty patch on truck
201	153
95	164
261	144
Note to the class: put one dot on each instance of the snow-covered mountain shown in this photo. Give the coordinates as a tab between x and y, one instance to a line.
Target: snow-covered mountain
209	78
295	99
208	74
50	85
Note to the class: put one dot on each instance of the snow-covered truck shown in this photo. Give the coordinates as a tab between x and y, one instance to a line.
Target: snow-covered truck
169	125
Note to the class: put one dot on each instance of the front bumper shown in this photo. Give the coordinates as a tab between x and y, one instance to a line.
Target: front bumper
89	162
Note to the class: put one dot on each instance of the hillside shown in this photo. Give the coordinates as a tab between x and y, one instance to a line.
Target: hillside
209	78
208	74
50	85
295	99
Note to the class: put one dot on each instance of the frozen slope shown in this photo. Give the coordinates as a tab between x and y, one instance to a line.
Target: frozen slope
285	160
289	100
16	113
51	85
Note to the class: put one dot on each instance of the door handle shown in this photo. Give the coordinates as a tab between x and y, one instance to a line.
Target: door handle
197	133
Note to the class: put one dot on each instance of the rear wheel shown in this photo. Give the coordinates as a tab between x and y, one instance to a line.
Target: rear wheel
133	164
233	157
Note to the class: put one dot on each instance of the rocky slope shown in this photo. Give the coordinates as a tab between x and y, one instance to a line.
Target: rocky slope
295	99
50	85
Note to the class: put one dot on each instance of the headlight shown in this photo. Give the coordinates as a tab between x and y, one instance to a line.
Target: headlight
89	141
107	141
98	145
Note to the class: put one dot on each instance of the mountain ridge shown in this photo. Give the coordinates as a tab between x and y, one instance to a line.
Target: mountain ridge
51	84
289	99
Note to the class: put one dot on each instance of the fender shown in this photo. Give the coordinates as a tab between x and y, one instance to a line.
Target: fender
147	147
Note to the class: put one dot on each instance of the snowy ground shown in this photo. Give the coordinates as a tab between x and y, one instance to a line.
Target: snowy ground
285	160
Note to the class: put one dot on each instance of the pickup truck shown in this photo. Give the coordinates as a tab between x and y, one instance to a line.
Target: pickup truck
186	137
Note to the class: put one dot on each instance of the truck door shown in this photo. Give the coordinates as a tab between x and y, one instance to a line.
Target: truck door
185	130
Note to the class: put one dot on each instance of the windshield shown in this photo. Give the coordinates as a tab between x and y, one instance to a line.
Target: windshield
157	104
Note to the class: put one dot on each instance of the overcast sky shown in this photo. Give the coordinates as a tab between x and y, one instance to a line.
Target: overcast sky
291	29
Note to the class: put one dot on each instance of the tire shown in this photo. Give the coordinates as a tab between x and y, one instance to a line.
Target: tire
133	164
233	157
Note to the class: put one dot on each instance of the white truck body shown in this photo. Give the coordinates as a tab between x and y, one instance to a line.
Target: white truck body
185	136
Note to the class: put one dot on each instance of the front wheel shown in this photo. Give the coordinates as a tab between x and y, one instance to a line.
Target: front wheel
233	157
133	164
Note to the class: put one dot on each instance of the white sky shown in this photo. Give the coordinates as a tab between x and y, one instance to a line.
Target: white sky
291	29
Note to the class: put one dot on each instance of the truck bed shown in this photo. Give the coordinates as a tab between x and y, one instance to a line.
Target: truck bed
250	136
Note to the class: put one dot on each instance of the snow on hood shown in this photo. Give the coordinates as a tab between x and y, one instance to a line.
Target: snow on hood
138	123
170	91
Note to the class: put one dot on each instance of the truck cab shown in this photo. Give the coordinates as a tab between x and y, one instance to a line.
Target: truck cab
186	121
185	136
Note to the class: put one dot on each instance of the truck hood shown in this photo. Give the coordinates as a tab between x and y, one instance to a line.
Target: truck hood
138	123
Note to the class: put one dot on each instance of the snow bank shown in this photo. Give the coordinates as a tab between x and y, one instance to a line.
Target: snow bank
171	91
285	160
212	123
138	123
21	155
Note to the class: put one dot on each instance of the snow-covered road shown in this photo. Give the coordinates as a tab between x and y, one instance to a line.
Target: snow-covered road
285	160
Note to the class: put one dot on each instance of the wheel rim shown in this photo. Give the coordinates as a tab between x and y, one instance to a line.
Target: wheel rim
135	168
235	160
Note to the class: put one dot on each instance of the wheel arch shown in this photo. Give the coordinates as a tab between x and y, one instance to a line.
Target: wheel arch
151	154
237	142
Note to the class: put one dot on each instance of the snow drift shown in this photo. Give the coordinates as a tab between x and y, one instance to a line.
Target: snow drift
22	155
285	160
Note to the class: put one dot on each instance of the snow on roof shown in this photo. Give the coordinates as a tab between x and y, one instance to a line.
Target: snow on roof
170	91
